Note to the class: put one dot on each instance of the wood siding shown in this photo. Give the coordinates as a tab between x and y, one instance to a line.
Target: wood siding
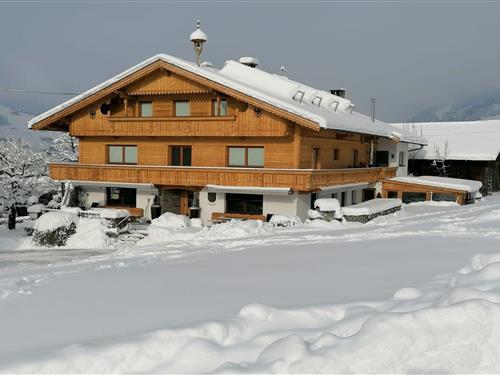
300	180
402	187
209	152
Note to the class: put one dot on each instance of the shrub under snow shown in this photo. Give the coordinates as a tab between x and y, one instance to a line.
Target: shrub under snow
284	221
54	228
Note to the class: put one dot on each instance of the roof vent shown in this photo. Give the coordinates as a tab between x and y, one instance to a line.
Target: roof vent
338	92
249	61
207	64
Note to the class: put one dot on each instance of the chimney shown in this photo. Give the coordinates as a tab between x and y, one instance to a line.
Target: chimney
252	62
339	92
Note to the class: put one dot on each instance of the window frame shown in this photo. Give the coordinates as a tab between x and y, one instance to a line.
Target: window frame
216	107
181	155
228	160
174	111
336	154
401	161
246	200
141	102
123	154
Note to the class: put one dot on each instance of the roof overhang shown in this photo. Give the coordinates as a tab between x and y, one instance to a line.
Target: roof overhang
248	190
114	184
344	187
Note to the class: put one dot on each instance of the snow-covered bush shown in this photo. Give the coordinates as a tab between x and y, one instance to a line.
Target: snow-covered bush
54	228
170	220
32	200
329	207
91	233
314	214
284	221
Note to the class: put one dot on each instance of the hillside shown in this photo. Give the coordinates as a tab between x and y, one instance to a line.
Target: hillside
482	108
14	123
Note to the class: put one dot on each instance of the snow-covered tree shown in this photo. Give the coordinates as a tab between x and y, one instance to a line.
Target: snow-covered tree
23	172
64	149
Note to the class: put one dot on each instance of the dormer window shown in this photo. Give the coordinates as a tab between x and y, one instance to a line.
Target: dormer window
146	109
299	96
334	105
317	100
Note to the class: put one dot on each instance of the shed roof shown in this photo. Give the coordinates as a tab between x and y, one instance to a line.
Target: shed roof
468	140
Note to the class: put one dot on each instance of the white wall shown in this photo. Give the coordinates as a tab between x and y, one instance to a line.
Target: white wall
207	208
293	205
280	204
145	199
394	149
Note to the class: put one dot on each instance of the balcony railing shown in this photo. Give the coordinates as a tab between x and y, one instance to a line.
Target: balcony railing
297	179
206	126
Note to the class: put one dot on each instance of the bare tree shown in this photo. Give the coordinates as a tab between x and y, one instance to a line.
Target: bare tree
440	162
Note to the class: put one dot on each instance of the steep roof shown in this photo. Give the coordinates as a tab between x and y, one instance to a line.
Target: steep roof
315	106
468	140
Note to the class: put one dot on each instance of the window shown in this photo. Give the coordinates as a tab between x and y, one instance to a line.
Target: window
336	154
146	109
180	156
409	197
244	204
219	108
392	194
212	197
246	156
121	197
355	158
401	158
353	197
182	108
315	158
342	199
382	158
444	197
122	154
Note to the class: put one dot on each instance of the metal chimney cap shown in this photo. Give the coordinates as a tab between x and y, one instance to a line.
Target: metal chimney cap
249	61
198	35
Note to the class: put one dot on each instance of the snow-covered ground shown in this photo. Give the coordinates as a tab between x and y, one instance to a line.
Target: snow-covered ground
388	296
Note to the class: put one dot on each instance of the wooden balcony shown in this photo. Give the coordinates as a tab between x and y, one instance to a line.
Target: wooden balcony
208	126
297	179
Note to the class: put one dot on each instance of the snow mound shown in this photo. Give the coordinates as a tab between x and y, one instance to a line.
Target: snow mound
327	205
235	229
170	220
90	234
53	220
448	328
313	214
36	208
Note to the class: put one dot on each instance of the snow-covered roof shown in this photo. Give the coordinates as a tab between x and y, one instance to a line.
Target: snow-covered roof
319	106
468	140
442	182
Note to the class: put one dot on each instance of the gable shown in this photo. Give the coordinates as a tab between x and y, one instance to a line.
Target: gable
163	81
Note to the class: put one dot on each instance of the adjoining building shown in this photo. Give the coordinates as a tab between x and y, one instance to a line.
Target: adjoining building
230	142
465	150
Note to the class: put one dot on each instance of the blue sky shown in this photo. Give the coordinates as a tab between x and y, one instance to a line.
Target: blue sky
409	55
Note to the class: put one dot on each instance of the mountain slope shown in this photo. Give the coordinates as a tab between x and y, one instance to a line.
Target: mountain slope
14	123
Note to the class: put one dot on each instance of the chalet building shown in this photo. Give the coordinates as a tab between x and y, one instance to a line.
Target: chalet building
229	142
466	150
